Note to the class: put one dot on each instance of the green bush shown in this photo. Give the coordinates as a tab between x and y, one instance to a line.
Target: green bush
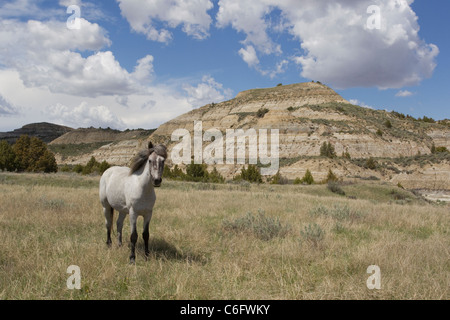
279	179
32	155
441	149
262	112
7	157
370	164
92	167
327	150
307	178
215	177
251	174
196	172
331	176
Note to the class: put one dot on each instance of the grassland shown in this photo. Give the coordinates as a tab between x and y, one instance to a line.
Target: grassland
206	242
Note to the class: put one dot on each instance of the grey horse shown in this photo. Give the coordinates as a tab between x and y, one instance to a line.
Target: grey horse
131	191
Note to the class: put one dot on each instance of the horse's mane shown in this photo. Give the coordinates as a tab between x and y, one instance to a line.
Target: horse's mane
140	159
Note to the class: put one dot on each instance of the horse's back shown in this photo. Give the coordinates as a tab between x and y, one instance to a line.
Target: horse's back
111	189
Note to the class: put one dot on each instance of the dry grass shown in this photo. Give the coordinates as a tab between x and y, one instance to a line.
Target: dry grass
48	224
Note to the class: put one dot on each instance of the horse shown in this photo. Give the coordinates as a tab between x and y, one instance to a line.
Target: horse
131	190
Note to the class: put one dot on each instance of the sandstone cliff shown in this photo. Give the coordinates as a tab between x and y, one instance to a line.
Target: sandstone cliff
307	115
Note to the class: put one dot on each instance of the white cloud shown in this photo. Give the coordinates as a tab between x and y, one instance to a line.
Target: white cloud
144	69
249	17
249	56
84	115
47	54
356	102
207	91
144	15
404	93
337	47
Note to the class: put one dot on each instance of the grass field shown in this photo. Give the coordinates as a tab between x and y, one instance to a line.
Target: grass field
230	241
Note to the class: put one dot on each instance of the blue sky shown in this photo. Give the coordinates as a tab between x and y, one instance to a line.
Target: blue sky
137	64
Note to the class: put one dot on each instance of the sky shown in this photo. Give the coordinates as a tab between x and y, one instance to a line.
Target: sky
139	63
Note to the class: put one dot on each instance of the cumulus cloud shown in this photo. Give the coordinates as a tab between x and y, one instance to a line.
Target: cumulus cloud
356	102
143	16
84	115
207	91
249	56
47	54
404	93
337	46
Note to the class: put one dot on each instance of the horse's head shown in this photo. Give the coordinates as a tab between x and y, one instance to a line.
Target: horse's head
154	156
158	155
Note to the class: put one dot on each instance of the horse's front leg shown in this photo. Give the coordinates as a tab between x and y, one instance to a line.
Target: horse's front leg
146	233
134	236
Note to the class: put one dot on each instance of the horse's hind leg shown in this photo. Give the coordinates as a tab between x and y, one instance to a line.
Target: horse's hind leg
134	236
120	226
108	211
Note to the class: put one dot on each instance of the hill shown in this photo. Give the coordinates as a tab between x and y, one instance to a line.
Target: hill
114	146
308	115
45	131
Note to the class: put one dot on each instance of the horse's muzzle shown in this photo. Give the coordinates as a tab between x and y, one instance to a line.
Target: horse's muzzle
157	182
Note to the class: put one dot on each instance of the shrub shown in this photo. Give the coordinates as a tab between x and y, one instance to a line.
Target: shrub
78	168
346	155
93	166
103	167
262	112
327	150
32	155
388	124
370	164
335	188
7	157
331	176
307	178
313	234
261	226
215	177
196	172
441	149
251	174
338	212
379	133
278	179
433	148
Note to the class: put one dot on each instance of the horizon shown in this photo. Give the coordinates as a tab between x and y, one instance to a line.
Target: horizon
155	128
126	64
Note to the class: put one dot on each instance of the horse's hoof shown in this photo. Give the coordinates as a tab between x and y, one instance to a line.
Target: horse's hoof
132	261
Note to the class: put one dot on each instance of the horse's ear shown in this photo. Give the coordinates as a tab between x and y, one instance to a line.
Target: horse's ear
150	145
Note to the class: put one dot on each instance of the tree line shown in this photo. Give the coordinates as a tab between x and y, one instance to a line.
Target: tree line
28	154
